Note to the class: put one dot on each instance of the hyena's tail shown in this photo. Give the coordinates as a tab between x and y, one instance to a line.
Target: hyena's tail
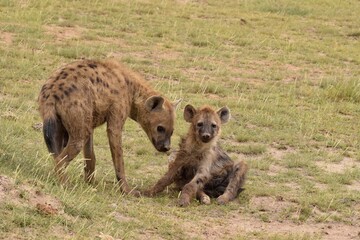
55	135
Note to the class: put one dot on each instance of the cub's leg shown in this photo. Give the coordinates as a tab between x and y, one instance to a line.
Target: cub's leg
237	180
90	159
195	185
203	197
166	180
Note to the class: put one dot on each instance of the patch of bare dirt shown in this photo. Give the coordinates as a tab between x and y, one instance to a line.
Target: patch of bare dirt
6	37
346	163
355	186
236	224
64	33
274	207
24	195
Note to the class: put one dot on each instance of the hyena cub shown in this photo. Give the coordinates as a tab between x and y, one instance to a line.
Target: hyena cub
201	167
86	94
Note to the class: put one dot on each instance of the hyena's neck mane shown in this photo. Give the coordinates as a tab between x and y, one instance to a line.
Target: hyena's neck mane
137	87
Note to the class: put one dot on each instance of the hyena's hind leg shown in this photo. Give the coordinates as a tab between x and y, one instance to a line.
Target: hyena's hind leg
236	181
203	197
77	131
90	159
71	150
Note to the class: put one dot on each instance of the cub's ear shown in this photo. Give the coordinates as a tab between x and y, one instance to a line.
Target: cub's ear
224	114
189	113
176	103
154	103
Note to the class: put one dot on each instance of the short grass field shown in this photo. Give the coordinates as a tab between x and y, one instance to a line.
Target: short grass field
288	70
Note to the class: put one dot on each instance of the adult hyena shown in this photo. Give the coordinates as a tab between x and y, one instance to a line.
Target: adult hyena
84	95
201	167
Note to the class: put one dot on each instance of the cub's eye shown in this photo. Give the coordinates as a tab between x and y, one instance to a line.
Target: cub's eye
160	129
213	125
200	124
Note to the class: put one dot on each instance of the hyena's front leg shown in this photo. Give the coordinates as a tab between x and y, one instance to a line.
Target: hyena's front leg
194	186
114	129
165	181
237	180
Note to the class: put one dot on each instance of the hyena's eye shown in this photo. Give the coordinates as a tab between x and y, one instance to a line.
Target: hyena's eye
200	124
213	125
160	129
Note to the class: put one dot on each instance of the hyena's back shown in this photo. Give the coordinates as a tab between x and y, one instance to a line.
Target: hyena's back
83	91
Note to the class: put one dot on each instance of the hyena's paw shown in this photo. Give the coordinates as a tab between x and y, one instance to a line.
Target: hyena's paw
223	199
148	193
184	201
205	199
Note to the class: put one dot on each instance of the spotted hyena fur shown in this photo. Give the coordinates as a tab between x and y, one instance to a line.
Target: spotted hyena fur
200	167
86	94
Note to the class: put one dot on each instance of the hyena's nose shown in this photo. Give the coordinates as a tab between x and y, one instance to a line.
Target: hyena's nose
205	137
165	148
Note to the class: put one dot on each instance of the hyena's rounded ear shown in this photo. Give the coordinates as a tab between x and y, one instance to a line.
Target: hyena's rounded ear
176	103
154	103
189	113
224	114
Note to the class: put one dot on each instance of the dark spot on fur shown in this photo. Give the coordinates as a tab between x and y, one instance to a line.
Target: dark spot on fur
80	66
75	78
56	97
43	88
65	74
127	80
61	84
72	69
92	65
62	96
57	78
61	88
98	80
105	84
76	103
51	86
85	69
114	91
73	87
92	80
66	93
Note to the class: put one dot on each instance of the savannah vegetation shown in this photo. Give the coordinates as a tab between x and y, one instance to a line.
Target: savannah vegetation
288	70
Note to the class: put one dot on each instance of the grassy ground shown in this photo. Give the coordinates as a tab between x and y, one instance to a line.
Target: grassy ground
288	70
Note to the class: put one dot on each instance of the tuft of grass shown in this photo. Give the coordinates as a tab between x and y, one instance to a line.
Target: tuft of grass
288	71
343	90
252	149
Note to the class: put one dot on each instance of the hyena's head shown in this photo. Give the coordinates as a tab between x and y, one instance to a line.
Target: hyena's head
206	122
158	121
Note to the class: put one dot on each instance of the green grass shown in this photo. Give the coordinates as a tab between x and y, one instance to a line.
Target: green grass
288	71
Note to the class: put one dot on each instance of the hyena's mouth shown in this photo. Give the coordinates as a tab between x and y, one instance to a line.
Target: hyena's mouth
160	146
206	139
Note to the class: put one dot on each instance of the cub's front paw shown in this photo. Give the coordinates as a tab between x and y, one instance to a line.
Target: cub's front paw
205	199
184	201
223	199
